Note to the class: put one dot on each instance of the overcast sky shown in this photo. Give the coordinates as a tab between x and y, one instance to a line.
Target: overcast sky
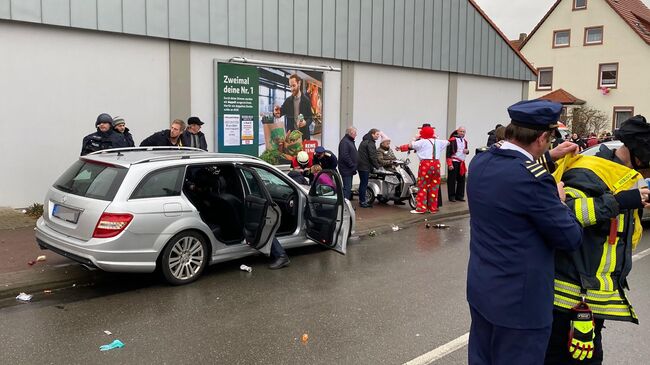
517	16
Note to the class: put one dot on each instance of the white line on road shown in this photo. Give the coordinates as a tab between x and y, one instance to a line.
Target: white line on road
462	341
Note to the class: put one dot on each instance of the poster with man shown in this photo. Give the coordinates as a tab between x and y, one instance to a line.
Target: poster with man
287	101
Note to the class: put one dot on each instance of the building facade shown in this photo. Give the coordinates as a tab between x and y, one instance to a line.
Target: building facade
387	64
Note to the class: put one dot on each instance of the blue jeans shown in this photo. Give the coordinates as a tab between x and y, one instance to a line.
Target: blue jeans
276	249
363	186
347	186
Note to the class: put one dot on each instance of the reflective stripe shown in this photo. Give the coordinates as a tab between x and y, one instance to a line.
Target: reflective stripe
591	211
595	295
605	266
578	210
575	192
606	303
621	310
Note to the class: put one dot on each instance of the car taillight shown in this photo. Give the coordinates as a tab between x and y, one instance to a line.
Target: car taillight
111	224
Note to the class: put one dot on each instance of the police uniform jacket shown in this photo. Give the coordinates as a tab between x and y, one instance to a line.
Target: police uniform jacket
99	141
328	161
517	222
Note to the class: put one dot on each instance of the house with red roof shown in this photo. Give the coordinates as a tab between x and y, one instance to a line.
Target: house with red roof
593	53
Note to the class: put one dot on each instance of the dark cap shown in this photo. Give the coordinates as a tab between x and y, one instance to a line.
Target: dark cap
103	118
535	114
426	125
635	135
194	120
320	149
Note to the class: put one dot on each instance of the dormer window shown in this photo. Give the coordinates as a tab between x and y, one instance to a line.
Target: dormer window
579	4
561	38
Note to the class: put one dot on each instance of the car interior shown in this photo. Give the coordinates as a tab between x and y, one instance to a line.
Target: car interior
285	196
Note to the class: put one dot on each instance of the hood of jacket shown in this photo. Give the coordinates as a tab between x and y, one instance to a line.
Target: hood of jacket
368	136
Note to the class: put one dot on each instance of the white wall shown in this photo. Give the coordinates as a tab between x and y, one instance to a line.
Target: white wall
54	83
202	58
482	103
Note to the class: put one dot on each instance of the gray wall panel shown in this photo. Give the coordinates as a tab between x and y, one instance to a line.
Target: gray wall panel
200	20
484	47
418	34
446	36
462	37
179	19
377	29
389	32
469	46
26	10
5	9
504	61
254	24
365	36
329	29
270	16
354	30
409	21
109	15
157	20
398	37
341	41
219	21
453	36
285	26
315	28
491	51
477	44
497	58
83	14
56	12
427	51
301	31
134	17
237	23
437	35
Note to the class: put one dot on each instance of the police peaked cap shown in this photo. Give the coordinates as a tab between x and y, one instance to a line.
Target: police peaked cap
635	135
535	114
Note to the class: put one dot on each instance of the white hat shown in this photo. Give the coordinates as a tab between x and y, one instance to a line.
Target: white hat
302	157
383	137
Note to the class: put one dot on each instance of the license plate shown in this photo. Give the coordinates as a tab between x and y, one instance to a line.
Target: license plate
65	213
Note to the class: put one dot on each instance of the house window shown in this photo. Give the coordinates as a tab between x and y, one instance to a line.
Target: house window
561	38
593	35
621	114
545	78
608	75
579	4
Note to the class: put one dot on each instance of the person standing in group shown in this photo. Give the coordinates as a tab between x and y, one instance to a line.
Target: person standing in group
428	149
122	133
193	137
492	135
367	163
518	220
347	163
457	152
294	107
102	139
589	283
167	137
326	159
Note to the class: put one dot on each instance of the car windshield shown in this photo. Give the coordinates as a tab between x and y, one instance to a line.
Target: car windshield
91	180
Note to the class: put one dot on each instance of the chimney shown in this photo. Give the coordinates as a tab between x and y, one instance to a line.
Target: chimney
522	36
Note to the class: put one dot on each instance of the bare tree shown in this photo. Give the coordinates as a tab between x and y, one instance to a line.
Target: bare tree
586	120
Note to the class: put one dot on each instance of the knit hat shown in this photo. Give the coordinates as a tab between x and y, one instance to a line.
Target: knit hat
103	118
383	137
117	121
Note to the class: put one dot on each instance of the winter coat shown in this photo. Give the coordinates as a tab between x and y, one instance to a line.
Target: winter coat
160	139
98	141
492	137
367	154
386	158
347	156
328	161
187	138
123	139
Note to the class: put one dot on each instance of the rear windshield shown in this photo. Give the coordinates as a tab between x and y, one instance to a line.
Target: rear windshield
91	180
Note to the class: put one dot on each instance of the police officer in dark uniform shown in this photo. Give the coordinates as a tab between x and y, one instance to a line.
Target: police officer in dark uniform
102	139
518	219
325	158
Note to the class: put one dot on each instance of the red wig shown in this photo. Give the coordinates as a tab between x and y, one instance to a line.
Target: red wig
426	132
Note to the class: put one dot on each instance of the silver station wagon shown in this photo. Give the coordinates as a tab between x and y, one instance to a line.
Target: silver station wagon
180	209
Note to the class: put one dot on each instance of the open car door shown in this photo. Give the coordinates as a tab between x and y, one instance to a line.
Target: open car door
261	214
327	220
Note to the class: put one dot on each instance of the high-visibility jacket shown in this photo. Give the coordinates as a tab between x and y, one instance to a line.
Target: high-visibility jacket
598	270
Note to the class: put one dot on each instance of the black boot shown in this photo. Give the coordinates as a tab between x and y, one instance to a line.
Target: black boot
280	262
398	202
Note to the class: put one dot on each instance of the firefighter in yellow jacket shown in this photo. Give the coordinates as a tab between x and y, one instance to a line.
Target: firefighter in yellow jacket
606	193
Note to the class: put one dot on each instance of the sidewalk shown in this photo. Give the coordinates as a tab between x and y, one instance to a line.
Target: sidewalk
18	246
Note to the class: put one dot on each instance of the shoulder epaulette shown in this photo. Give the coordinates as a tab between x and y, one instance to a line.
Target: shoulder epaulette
536	169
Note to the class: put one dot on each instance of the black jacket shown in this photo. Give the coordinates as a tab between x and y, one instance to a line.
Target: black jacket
123	139
347	156
305	110
160	139
98	141
492	138
187	138
328	161
367	154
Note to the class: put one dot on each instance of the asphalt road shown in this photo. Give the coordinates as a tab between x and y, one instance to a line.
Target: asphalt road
393	298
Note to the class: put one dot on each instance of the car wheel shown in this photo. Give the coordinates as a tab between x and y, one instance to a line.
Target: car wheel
370	196
184	258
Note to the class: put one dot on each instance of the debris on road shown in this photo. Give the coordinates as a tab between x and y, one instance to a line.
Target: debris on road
113	345
47	291
395	228
108	332
31	262
245	268
440	226
23	297
427	226
41	258
372	233
304	338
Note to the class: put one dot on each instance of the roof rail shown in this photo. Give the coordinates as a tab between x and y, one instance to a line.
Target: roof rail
191	157
147	148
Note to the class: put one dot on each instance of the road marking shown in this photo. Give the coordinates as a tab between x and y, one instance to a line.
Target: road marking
463	340
441	351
